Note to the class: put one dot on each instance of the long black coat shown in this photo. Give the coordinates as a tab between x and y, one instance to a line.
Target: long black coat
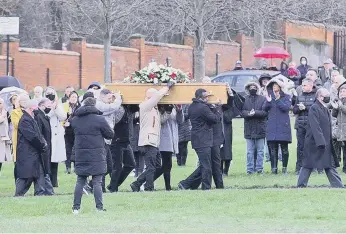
319	133
228	114
90	130
218	136
30	145
202	121
44	125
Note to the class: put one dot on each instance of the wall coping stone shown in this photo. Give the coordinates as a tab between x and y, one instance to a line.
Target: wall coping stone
96	46
160	44
46	51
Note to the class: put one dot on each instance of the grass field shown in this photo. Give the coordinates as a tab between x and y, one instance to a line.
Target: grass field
256	203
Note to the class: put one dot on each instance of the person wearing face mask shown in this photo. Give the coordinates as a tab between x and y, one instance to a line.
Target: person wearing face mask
318	151
339	112
278	131
202	120
70	108
57	116
301	110
303	67
45	129
254	127
31	145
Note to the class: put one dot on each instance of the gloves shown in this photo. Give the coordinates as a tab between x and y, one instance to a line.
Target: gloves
170	84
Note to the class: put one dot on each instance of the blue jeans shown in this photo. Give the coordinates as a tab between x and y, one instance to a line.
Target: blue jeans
254	145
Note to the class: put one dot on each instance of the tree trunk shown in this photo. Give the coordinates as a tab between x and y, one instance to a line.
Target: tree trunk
107	58
199	58
57	28
259	41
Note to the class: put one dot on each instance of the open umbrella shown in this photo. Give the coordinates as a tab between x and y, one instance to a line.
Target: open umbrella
8	92
8	81
270	52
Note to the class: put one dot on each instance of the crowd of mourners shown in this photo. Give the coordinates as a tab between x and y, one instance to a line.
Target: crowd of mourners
97	136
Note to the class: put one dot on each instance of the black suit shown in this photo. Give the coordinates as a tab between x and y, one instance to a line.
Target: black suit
202	120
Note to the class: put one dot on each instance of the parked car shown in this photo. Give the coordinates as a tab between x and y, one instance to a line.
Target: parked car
238	79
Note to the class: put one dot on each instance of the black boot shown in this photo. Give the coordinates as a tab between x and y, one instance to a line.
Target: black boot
167	178
284	170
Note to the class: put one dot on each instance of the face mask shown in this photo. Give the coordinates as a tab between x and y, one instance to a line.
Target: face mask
47	110
51	97
304	62
326	99
253	92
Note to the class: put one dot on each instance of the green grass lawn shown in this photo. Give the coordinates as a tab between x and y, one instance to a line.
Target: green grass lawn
256	203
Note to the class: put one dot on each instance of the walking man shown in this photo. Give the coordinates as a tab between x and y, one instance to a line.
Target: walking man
90	130
202	121
30	146
319	152
149	137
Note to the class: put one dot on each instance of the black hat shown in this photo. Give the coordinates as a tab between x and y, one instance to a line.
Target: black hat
88	94
90	101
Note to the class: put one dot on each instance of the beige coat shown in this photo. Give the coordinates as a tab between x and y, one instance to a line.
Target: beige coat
150	122
5	149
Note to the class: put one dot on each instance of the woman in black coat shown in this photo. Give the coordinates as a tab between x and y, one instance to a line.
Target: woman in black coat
226	149
90	130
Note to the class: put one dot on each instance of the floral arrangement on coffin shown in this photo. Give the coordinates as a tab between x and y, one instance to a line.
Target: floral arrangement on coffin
158	74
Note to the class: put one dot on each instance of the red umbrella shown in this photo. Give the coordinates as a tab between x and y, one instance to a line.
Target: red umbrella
270	52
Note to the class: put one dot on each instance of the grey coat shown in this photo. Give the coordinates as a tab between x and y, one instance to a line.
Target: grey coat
169	138
340	114
185	127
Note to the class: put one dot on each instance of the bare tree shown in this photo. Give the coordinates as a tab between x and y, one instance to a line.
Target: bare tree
199	18
103	19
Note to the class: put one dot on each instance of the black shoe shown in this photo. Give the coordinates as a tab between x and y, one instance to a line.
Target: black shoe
284	170
68	170
225	174
111	190
135	187
168	188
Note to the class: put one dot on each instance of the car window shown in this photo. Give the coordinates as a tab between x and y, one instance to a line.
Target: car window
224	79
242	80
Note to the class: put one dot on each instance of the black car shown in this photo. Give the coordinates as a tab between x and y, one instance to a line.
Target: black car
238	79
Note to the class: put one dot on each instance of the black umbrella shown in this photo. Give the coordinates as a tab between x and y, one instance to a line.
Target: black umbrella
8	81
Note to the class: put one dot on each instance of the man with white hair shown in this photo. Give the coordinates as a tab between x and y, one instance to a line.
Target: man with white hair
318	150
325	72
149	137
30	146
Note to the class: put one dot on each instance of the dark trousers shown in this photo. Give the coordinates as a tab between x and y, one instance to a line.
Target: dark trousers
203	174
69	141
225	164
165	169
332	174
216	166
274	153
183	151
123	164
337	145
139	163
54	174
301	132
23	185
78	192
343	145
0	166
152	159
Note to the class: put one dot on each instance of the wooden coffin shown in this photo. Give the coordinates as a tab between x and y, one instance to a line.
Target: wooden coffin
179	94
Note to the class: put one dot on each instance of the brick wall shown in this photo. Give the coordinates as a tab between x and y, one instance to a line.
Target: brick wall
84	63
